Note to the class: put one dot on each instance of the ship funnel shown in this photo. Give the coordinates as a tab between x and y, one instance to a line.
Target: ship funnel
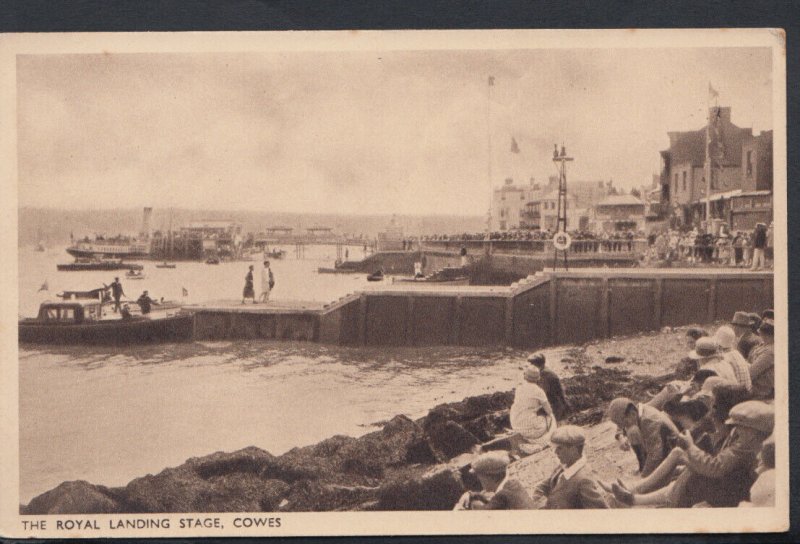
145	232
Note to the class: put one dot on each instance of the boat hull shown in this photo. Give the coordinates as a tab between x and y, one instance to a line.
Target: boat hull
111	253
137	330
82	267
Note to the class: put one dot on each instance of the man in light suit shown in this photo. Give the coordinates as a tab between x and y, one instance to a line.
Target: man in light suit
572	485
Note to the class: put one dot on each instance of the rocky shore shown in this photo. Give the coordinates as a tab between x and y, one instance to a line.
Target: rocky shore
406	465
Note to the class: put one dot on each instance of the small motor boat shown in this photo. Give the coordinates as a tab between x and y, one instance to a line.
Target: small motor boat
212	260
376	276
134	275
166	265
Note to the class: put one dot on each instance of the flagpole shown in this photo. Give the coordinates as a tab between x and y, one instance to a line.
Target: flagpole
708	162
490	84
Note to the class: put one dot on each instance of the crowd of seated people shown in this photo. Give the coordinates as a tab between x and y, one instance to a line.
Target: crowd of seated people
706	441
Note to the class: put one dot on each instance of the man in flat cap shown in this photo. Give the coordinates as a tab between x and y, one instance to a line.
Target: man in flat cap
498	491
654	431
746	337
551	384
572	485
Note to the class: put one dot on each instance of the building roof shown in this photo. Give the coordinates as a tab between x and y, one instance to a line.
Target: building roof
213	224
620	200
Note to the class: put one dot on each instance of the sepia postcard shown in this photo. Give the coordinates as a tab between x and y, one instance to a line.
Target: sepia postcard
393	283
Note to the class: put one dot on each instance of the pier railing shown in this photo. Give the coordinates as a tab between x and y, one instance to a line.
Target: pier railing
635	246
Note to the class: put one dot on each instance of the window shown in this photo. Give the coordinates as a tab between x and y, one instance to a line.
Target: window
749	163
684	180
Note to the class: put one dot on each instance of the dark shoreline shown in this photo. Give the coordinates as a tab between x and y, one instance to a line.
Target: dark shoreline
403	466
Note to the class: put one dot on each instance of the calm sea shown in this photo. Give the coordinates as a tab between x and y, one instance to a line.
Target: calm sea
108	415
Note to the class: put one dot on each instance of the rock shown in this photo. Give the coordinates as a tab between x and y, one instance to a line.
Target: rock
613	359
438	489
77	497
449	439
489	425
221	482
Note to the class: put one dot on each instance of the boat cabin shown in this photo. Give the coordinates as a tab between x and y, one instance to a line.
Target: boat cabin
73	311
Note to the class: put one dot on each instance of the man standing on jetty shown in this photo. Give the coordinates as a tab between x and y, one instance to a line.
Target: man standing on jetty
267	282
551	384
572	485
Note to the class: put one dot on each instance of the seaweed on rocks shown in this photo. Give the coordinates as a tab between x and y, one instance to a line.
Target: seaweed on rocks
402	466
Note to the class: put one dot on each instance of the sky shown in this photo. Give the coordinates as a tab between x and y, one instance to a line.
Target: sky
359	132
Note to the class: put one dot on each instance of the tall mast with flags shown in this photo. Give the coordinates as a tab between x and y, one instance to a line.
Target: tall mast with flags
712	95
490	84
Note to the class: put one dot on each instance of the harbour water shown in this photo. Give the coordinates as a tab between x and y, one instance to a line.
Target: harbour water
108	415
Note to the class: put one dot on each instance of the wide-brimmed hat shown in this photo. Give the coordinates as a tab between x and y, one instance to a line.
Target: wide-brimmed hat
755	414
742	319
492	463
617	408
705	347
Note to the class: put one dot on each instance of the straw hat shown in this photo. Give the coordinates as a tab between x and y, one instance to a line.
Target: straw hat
742	319
705	347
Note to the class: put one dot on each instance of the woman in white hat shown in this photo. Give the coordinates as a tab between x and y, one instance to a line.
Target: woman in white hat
531	414
726	340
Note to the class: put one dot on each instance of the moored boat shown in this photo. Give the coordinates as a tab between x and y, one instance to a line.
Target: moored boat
86	264
84	322
134	275
212	260
436	281
166	265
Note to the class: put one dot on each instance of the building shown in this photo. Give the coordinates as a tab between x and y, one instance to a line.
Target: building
754	203
618	213
219	237
533	207
683	175
509	201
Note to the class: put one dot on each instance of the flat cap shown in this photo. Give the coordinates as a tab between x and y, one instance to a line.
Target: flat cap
755	414
491	463
617	408
568	435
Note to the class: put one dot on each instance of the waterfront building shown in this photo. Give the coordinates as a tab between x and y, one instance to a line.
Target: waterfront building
739	189
533	207
618	213
219	237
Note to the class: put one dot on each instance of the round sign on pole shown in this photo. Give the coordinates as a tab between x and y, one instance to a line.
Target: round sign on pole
562	241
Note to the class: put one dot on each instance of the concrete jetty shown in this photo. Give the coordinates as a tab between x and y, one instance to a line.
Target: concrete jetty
543	309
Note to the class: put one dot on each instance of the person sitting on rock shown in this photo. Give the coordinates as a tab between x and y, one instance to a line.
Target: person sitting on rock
551	385
532	420
762	360
498	491
762	493
649	430
726	340
706	353
572	485
721	478
745	327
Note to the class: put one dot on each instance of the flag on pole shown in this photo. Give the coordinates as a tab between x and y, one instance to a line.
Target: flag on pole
44	287
712	93
491	81
514	146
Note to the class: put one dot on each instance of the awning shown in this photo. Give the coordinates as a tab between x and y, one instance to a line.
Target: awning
721	196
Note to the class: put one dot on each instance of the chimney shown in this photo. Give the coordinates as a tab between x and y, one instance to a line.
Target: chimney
145	232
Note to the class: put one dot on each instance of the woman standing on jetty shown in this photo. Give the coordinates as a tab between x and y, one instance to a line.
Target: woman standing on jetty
249	291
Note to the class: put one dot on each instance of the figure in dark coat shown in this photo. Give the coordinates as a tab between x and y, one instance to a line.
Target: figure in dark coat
551	384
